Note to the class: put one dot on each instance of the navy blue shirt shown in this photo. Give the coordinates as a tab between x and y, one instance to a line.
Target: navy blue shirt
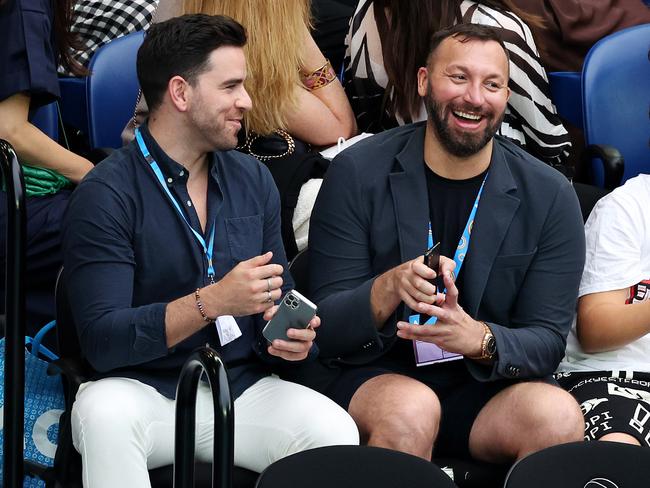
127	253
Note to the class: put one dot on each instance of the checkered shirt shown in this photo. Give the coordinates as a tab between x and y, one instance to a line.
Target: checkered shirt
97	22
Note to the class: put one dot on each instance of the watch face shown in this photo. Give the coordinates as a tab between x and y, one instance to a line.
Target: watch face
491	346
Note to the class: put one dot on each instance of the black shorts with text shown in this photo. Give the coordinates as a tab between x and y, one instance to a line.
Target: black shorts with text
612	401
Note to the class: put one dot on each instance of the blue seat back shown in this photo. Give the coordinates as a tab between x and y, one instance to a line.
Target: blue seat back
616	96
46	119
74	109
112	90
566	92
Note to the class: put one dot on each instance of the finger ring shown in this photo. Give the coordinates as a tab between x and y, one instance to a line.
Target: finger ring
268	285
269	298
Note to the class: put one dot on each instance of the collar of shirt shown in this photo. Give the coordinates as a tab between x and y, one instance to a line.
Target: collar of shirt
172	171
176	176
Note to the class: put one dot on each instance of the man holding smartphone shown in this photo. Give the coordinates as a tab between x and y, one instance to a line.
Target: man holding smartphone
174	242
512	251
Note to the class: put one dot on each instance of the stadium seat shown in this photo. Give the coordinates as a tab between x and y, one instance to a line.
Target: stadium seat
74	110
299	269
596	464
588	196
112	90
46	118
353	467
616	101
566	95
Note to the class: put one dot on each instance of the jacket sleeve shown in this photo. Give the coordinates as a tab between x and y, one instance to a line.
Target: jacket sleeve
341	273
533	344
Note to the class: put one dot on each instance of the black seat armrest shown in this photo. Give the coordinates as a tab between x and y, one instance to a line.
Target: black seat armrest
74	369
613	163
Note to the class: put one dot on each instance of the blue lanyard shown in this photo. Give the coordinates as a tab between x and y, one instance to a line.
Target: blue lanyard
463	244
207	249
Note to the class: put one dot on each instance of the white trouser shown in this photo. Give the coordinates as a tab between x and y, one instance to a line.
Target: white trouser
123	427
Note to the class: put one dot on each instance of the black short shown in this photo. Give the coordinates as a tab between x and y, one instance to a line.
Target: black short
461	396
612	402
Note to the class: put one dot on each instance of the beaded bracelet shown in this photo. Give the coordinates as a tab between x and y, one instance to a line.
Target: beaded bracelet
319	78
199	304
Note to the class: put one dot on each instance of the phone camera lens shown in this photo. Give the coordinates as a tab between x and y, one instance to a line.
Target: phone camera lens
291	302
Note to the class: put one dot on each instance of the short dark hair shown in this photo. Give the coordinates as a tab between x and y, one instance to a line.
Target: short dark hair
464	33
181	46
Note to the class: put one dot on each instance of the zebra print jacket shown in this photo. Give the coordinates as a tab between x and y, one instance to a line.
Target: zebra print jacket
530	119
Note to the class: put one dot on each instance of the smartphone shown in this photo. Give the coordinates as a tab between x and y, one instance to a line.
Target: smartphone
295	312
432	260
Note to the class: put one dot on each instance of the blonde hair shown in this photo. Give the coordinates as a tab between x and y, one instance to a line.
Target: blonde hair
273	53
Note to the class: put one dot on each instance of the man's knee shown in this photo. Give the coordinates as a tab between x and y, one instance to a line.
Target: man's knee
525	418
545	415
556	414
105	410
392	409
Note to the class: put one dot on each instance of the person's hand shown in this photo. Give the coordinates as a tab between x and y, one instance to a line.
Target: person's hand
249	288
455	331
301	341
411	281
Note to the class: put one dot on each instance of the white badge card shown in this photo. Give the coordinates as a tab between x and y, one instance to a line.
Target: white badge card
227	329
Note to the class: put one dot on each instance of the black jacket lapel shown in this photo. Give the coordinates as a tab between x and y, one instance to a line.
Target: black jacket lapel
410	197
497	207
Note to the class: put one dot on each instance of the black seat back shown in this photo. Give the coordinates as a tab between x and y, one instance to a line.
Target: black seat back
353	467
299	269
588	195
595	464
66	330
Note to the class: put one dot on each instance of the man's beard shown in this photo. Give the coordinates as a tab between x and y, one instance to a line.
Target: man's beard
463	144
218	137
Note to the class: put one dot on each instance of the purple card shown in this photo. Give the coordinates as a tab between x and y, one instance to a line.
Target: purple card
427	353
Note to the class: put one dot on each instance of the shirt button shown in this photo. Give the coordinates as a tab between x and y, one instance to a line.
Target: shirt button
189	203
181	173
170	181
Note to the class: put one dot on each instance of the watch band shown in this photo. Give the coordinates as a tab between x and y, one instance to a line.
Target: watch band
487	335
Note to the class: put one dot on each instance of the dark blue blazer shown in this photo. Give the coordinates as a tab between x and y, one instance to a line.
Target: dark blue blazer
524	264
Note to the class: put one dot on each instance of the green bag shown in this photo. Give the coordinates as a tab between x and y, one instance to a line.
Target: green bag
42	181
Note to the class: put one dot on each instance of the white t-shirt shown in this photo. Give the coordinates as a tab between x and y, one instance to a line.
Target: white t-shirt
618	257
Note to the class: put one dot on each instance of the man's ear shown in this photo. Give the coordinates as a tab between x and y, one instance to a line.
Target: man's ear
178	90
423	81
